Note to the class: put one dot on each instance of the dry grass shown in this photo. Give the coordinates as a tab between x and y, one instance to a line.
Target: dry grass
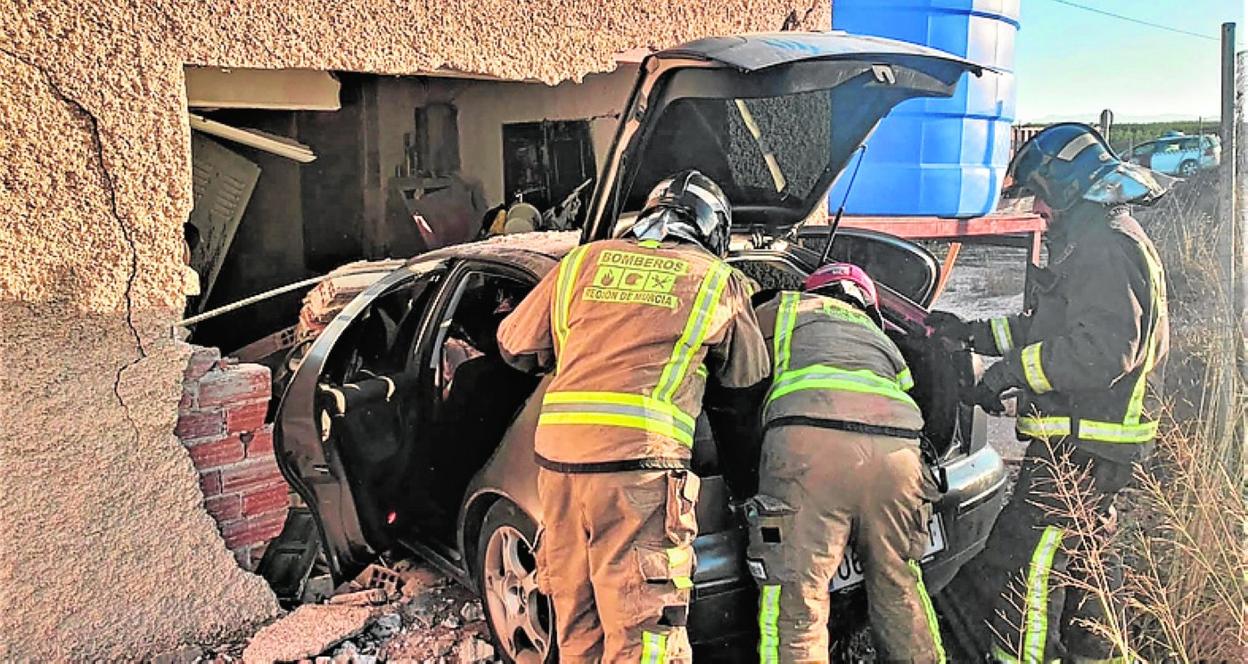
1184	529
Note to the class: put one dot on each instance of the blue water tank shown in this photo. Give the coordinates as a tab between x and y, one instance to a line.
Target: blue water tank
937	157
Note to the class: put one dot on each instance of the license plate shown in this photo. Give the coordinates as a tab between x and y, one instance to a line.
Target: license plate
849	574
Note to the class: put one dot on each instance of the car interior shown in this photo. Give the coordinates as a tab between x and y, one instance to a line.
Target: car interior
386	385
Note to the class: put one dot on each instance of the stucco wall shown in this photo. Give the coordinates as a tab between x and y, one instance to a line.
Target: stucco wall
106	550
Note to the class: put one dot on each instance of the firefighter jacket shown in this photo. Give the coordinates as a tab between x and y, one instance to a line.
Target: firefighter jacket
1089	350
833	364
631	329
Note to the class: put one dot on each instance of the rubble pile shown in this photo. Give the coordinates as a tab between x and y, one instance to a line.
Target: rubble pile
406	613
336	291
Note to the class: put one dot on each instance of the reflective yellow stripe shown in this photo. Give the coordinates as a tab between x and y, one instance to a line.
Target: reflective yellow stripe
933	626
619	399
682	582
904	380
569	269
1102	432
677	556
1036	617
1000	656
822	377
1044	427
786	318
611	420
700	370
1109	432
697	329
653	648
1157	289
768	624
1033	370
1001	334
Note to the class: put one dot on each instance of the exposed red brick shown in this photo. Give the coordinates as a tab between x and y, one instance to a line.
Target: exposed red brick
200	424
252	530
261	444
224	508
188	399
202	359
247	416
216	453
250	476
210	483
233	384
267	500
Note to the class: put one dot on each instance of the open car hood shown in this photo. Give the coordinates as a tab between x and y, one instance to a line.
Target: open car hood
772	118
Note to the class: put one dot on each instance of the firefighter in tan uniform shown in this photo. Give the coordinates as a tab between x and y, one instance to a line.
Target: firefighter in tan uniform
840	456
632	328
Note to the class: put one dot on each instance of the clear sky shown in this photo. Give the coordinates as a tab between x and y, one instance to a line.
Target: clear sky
1071	63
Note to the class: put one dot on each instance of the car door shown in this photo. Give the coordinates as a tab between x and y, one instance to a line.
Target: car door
469	395
345	417
1166	157
1143	154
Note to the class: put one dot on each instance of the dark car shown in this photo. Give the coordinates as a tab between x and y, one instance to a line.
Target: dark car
402	426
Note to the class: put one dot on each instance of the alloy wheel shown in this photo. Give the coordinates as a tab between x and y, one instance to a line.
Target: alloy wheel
519	613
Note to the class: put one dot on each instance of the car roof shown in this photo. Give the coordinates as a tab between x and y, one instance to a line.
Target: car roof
536	252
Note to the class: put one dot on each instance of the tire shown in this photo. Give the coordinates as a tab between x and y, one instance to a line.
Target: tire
520	618
1188	168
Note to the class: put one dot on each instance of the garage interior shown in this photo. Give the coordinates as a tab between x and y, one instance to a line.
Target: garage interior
298	172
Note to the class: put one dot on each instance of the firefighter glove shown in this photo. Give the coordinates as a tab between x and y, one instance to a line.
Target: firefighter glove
994	382
949	326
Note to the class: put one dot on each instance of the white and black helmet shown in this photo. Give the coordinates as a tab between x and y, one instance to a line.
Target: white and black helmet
690	206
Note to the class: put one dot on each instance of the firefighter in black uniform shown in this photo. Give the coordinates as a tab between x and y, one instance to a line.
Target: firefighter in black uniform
1085	361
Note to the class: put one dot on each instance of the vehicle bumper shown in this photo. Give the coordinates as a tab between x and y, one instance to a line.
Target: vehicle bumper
724	605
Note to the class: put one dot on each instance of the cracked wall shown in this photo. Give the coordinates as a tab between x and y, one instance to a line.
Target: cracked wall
107	551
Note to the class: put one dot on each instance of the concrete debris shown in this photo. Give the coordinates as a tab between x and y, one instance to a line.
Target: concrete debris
472	649
346	653
429	619
387	625
472	612
306	632
338	288
370	597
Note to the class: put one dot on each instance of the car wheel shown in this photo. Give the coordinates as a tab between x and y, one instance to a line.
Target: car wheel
521	618
1188	168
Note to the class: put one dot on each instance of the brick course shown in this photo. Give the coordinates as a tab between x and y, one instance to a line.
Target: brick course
221	424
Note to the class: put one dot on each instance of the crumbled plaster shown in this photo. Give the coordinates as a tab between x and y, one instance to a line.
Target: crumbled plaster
107	552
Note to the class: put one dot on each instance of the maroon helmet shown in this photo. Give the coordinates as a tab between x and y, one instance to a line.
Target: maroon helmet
848	282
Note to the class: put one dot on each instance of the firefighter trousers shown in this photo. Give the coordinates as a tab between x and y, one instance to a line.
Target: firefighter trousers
616	557
1020	599
816	488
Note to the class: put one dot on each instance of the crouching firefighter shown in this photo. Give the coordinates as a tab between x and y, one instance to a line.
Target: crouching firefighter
632	328
840	456
1086	360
